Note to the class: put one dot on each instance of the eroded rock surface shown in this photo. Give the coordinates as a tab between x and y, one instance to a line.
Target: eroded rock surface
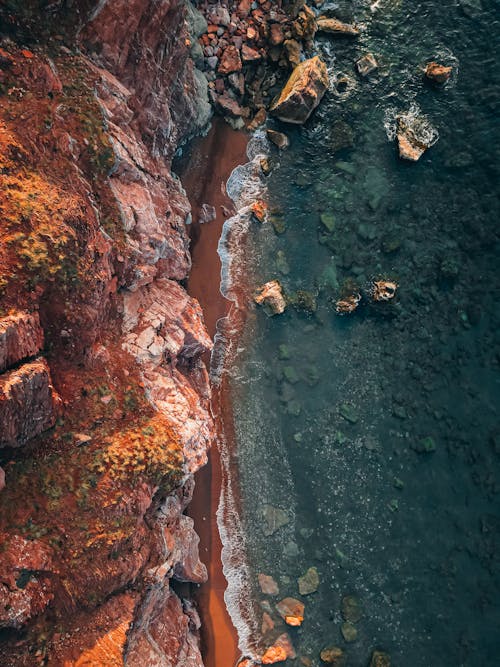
28	403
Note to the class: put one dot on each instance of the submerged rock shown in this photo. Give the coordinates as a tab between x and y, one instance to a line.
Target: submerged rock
267	585
438	73
302	92
349	413
366	64
333	655
291	611
351	609
275	518
309	582
349	632
279	139
424	446
270	296
380	659
336	28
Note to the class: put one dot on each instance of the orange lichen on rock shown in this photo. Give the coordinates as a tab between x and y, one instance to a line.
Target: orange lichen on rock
108	650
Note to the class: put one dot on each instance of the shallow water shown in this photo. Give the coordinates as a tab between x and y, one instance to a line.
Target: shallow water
332	412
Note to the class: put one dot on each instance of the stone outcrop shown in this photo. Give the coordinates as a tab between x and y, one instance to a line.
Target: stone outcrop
28	403
21	336
270	296
100	509
302	92
438	73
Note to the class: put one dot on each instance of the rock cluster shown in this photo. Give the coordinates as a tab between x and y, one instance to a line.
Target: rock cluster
248	50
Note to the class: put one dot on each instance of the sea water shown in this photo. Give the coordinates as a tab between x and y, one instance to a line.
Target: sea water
376	435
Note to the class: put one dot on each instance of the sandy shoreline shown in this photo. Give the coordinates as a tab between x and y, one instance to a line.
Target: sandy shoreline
204	174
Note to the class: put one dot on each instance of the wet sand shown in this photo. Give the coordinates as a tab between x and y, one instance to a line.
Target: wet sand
204	174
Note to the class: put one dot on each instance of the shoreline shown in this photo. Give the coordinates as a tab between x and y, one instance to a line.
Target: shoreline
204	174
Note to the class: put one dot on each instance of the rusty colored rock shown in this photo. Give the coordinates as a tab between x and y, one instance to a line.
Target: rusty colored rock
438	73
21	336
348	304
280	651
250	55
276	35
273	655
267	623
267	585
336	28
259	210
230	61
293	51
291	611
302	92
384	290
29	404
279	139
271	297
229	106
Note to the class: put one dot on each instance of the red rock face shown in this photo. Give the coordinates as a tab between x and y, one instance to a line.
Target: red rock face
99	507
28	403
21	336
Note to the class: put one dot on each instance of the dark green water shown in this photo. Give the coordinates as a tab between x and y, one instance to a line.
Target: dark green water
414	535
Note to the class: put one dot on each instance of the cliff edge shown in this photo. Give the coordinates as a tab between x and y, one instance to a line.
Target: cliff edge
103	395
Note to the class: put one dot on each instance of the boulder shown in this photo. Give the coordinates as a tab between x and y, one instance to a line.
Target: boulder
274	518
380	659
270	296
276	36
335	27
279	139
29	403
259	210
438	73
415	135
348	303
333	655
291	611
250	55
21	336
267	585
366	64
230	61
302	92
349	632
351	609
279	651
309	582
293	51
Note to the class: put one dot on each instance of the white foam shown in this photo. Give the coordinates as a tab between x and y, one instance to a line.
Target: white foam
419	125
238	595
244	186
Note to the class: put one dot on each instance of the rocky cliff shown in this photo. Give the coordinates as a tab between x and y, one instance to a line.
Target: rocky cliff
103	394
